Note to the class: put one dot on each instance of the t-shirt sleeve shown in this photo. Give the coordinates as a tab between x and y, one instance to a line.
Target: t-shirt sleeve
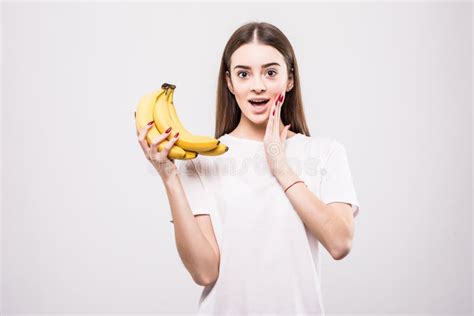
336	183
193	187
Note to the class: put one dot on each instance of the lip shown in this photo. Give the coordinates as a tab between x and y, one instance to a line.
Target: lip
260	109
259	99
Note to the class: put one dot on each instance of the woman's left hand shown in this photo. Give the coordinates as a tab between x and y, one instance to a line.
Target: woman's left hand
274	141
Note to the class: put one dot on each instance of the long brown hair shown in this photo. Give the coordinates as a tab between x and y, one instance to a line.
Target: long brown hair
227	110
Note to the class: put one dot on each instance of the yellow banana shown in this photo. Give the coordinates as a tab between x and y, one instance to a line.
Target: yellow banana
186	140
219	150
158	106
144	114
190	155
177	122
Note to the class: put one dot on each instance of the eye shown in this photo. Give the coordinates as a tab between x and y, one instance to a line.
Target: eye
244	72
241	72
271	70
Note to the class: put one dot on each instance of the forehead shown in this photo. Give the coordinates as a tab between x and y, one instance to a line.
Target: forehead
255	55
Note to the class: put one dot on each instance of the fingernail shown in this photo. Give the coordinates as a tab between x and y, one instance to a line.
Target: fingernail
176	136
168	130
273	112
150	123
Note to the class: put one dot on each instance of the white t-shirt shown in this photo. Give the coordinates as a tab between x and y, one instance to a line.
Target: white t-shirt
269	261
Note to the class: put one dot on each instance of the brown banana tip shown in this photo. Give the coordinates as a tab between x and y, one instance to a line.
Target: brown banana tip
226	148
168	85
218	142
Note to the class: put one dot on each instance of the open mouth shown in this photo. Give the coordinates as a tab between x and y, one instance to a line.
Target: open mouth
259	103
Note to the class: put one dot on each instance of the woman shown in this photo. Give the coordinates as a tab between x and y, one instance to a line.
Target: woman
270	200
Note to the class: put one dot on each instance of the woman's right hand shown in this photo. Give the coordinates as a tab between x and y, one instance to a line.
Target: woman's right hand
165	166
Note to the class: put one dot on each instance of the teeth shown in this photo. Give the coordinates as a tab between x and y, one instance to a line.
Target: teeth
259	101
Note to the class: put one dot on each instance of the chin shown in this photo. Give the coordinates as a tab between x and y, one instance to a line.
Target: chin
258	119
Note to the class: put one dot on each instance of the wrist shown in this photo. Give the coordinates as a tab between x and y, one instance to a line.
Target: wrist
281	170
171	179
294	183
286	178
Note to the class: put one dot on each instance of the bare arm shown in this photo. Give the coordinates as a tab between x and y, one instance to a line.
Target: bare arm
332	224
195	240
198	252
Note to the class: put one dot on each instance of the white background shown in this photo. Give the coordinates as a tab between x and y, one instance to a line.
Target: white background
85	224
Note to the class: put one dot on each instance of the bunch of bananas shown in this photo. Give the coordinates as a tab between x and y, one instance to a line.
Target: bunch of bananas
158	106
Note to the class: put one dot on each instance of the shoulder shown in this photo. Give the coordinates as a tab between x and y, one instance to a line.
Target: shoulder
322	146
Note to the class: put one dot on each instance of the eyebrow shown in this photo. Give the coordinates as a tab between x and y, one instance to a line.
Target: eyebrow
263	66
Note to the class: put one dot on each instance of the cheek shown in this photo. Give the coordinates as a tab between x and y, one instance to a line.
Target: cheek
241	100
241	96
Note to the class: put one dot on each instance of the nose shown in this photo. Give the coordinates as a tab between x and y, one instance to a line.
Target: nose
258	84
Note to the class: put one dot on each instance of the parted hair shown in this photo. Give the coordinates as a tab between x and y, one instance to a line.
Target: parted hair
227	110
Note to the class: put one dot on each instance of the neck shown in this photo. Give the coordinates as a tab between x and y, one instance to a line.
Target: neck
248	129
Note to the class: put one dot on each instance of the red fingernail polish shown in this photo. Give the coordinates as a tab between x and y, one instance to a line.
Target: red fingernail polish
273	112
168	130
176	136
150	123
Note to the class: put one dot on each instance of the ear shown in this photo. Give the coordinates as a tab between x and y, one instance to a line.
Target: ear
229	82
289	86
